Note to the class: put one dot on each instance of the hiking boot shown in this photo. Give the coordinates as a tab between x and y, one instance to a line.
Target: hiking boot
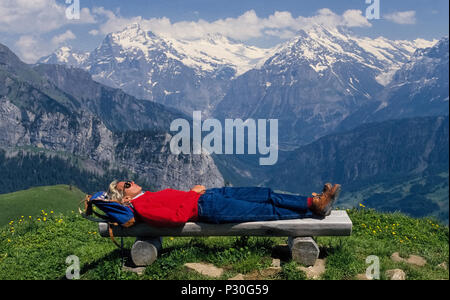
322	204
327	187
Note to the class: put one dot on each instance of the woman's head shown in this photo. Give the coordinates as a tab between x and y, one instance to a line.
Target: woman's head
123	191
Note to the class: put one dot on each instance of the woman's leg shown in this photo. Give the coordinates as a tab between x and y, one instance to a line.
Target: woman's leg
295	202
215	207
263	195
251	194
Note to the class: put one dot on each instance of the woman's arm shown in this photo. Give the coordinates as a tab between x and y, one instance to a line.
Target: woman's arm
201	189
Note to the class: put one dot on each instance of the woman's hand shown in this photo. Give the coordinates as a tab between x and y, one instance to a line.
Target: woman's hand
201	189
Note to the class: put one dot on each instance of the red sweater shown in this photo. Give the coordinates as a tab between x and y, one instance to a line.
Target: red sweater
167	208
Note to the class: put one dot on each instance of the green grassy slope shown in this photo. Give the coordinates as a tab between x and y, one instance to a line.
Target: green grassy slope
30	202
417	196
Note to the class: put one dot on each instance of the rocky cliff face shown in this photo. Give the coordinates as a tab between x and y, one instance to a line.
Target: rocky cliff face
84	135
148	154
35	113
118	110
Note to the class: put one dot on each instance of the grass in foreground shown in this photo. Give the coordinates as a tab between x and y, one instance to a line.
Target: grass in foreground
37	248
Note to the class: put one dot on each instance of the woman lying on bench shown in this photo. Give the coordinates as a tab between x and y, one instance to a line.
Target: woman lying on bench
171	207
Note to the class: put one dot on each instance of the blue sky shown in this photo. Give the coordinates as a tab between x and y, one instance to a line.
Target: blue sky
35	28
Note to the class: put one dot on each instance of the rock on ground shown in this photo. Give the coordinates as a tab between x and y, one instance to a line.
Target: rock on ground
314	272
205	269
237	277
276	263
362	276
412	259
416	260
396	274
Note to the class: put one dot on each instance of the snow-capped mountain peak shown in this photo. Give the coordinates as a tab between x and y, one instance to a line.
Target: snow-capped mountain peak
133	37
215	51
322	46
204	55
197	73
66	55
183	73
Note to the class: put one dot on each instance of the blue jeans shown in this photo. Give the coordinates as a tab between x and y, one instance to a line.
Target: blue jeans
247	204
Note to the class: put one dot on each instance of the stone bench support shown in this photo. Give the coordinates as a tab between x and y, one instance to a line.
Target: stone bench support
304	250
145	250
300	232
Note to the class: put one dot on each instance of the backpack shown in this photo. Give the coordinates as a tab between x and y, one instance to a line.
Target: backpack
116	213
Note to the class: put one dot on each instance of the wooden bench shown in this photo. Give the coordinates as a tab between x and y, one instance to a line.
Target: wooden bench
300	233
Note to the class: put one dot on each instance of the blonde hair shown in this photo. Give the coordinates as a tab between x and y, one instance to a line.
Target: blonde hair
113	193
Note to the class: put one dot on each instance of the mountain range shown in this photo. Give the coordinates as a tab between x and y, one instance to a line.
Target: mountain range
418	88
311	83
393	165
63	111
387	149
187	75
371	114
314	83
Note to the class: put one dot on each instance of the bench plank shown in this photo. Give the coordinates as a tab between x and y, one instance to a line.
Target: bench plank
337	223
